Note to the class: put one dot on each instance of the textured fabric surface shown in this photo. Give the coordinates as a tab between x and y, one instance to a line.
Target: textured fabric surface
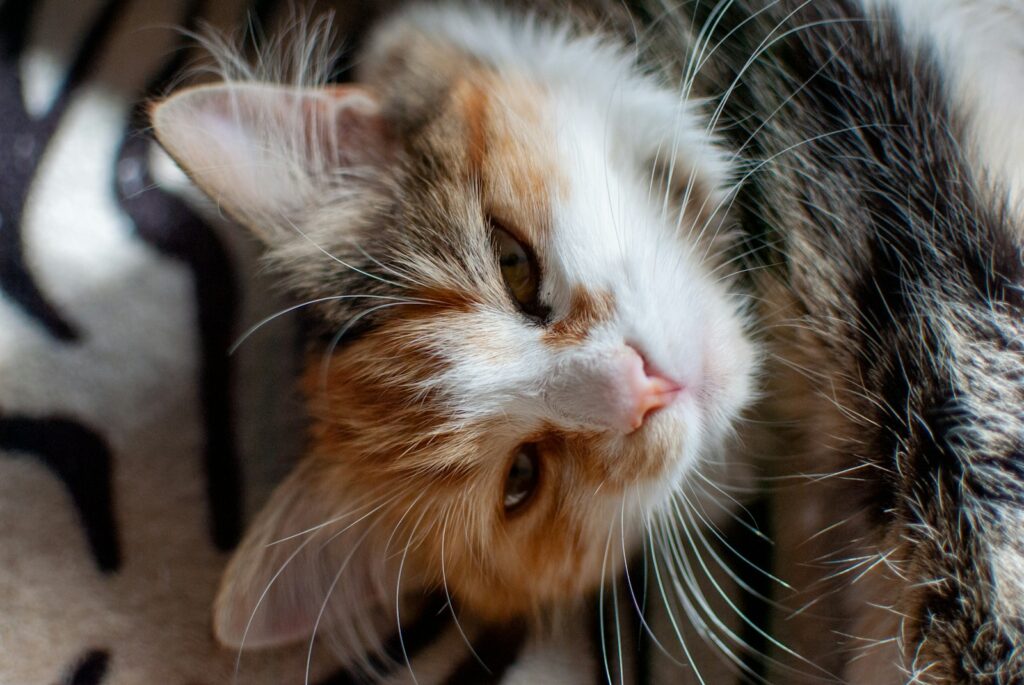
133	447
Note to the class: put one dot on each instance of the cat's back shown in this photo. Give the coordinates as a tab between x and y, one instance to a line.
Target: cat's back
891	262
979	51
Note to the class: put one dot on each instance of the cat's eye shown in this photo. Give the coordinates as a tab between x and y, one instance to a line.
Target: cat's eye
522	478
519	270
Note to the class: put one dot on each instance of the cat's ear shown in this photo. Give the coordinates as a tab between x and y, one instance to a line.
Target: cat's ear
264	152
306	566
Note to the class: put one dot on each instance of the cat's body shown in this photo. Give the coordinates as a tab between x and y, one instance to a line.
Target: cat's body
894	318
890	274
517	219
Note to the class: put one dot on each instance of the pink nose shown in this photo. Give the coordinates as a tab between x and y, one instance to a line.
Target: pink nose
644	391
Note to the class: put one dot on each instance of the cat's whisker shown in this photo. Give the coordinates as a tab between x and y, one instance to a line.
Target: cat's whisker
693	69
869	565
737	507
344	564
319	526
688	587
615	595
727	202
710	633
741	257
261	598
655	164
826	530
767	43
331	298
639	605
327	598
691	597
691	528
398	525
392	269
447	594
325	368
710	25
707	524
600	604
362	518
750	526
669	612
842	474
340	261
398	585
731	276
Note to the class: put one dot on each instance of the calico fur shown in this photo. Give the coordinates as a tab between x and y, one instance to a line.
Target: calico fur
377	201
889	260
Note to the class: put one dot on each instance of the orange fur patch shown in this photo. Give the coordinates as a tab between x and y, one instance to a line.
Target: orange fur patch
373	433
509	150
471	101
586	310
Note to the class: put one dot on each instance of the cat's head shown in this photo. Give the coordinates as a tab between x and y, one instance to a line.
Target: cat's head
509	232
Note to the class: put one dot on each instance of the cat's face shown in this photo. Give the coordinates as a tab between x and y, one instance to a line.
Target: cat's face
540	348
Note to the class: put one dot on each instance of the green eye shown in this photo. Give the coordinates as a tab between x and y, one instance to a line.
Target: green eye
518	270
523	476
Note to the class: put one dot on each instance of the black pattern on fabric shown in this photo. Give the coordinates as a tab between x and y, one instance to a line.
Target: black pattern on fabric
170	226
496	650
90	669
23	140
402	647
163	221
638	616
751	557
80	459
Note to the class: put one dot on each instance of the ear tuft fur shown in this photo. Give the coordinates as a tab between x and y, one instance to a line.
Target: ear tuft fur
264	152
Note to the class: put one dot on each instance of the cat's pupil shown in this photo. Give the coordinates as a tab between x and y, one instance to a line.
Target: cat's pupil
517	269
522	477
512	261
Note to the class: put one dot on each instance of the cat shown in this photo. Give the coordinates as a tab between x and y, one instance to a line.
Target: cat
881	209
511	227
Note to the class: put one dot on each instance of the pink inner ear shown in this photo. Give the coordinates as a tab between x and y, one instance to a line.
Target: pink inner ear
346	125
263	151
263	600
272	625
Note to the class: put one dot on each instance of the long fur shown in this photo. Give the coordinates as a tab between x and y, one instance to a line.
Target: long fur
888	258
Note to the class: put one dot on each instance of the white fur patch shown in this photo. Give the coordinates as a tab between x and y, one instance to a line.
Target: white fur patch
586	70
